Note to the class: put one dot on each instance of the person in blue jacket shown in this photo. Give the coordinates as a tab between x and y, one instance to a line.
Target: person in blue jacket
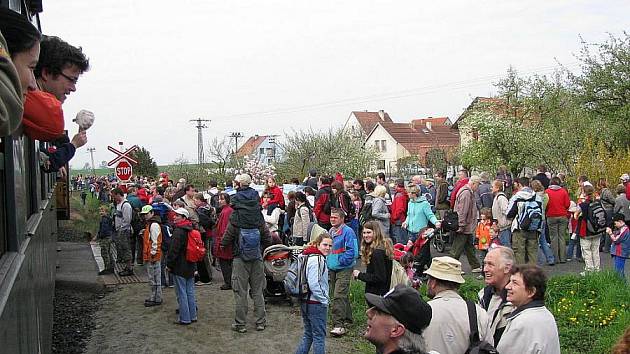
341	261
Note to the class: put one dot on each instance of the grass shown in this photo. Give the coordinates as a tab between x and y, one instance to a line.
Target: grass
84	218
591	312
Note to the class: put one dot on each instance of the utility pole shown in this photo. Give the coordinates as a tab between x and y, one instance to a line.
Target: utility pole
91	150
200	125
236	136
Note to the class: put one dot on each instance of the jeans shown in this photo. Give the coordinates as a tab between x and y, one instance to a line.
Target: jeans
314	317
247	275
339	281
399	235
463	243
185	289
505	237
558	227
574	245
154	274
547	253
620	264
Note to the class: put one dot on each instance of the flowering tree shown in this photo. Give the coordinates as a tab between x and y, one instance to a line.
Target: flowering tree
259	171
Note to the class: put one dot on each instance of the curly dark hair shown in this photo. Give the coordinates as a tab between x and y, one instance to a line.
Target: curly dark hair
55	54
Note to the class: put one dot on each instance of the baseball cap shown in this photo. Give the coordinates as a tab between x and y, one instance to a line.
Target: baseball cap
405	305
182	211
446	268
146	209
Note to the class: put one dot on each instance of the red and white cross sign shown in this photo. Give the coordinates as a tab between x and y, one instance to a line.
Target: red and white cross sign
122	155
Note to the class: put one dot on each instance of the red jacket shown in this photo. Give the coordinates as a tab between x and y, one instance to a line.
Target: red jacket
321	198
278	197
399	206
627	184
558	203
458	186
218	231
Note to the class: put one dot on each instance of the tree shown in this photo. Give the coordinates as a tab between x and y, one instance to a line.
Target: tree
224	162
436	160
327	152
145	166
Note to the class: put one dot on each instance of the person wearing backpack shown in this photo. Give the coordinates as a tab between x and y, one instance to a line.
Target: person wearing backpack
314	308
122	225
152	254
592	214
531	327
213	194
557	222
525	208
340	262
441	194
466	222
182	269
377	256
449	331
247	269
303	217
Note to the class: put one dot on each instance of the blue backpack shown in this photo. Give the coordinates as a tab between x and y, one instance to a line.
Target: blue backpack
249	244
531	216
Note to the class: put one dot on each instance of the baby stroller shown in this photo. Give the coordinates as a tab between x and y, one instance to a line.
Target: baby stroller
277	259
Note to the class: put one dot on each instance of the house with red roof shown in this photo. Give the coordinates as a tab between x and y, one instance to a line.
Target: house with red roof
262	147
493	105
362	122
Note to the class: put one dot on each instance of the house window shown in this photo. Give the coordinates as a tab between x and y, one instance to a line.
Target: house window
261	151
377	145
380	164
383	145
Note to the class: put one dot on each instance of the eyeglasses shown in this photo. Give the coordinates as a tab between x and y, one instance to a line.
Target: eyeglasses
71	79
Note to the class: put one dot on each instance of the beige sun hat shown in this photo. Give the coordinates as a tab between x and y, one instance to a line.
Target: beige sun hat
446	268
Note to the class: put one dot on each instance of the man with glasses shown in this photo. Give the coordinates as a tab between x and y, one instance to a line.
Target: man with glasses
57	72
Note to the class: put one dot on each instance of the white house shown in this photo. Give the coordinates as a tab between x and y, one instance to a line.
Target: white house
262	147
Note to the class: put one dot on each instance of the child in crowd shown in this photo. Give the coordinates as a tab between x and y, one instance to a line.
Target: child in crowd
104	236
406	261
483	235
620	247
355	197
576	228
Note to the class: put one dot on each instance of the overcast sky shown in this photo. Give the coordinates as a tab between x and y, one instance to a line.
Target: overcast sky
264	67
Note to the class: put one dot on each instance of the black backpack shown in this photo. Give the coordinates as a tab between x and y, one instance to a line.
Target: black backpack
476	345
207	216
214	201
366	213
451	221
596	218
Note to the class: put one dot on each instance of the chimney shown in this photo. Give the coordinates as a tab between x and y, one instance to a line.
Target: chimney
428	125
381	114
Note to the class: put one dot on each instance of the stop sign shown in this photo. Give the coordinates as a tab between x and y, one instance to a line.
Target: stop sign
123	170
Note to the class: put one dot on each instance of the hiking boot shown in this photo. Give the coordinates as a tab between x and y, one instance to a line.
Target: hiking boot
106	271
239	329
149	303
261	327
125	273
226	287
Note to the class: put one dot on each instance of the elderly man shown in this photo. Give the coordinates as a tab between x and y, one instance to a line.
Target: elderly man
531	328
449	330
466	212
493	297
396	320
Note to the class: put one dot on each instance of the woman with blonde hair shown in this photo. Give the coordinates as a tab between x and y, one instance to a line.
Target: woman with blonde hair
377	254
379	208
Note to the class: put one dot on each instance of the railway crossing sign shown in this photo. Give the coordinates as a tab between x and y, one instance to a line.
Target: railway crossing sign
123	170
122	155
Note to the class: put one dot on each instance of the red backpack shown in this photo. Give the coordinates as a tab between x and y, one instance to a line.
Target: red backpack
195	250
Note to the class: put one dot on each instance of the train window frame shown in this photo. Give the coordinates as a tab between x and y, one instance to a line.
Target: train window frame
3	214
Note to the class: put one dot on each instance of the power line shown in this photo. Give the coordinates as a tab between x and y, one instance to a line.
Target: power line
454	85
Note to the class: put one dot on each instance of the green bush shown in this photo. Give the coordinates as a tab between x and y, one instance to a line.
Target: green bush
591	312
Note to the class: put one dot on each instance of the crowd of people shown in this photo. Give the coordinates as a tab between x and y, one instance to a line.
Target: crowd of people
352	230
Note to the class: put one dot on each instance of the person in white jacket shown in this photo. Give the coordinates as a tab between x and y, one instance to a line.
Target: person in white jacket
531	328
499	213
271	213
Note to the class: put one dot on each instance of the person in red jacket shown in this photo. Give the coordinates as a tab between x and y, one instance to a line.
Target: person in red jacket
399	212
323	203
462	180
278	196
557	222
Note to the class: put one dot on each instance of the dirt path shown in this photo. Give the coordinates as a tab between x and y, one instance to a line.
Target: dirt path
124	325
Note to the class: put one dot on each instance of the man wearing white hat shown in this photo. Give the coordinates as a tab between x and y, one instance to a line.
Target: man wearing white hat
449	330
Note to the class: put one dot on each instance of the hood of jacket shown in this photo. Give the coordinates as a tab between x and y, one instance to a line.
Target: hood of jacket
184	224
525	193
419	199
311	250
246	193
